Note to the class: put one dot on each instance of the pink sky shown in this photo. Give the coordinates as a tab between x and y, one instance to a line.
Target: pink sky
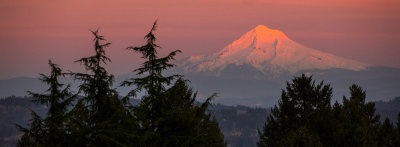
33	31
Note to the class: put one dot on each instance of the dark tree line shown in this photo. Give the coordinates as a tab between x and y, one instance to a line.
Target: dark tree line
167	115
304	116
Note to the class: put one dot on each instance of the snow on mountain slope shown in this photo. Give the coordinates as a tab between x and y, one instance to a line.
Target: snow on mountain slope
268	51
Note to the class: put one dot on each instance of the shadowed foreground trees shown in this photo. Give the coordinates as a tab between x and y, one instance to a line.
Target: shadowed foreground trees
50	131
299	110
168	114
100	110
305	117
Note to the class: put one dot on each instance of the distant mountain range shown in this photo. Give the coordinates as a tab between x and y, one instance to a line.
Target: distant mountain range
252	70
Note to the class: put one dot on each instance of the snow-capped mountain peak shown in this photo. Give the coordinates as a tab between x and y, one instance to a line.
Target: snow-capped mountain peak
268	51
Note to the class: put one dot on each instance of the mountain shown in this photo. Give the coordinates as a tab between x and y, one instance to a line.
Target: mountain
269	52
253	69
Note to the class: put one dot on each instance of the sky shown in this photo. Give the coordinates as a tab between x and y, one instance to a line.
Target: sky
34	31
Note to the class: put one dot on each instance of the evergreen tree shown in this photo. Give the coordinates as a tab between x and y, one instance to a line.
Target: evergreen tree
361	122
154	83
185	122
169	116
303	104
52	130
34	136
304	117
100	113
149	110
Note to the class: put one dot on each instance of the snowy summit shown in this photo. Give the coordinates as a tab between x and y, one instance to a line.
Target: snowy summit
269	51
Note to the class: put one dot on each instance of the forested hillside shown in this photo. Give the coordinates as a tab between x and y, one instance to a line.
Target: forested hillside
238	123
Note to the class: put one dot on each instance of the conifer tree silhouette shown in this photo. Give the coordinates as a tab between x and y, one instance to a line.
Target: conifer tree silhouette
50	131
169	115
105	112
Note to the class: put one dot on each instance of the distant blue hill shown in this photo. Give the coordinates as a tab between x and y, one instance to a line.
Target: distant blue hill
245	86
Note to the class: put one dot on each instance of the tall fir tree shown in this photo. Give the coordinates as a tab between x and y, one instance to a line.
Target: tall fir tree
52	130
300	111
304	117
184	121
100	111
148	111
361	122
169	116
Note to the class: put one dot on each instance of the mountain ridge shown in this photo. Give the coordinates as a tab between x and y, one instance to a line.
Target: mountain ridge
268	51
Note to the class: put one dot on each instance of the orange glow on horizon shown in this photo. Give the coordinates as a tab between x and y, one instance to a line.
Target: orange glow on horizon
365	30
